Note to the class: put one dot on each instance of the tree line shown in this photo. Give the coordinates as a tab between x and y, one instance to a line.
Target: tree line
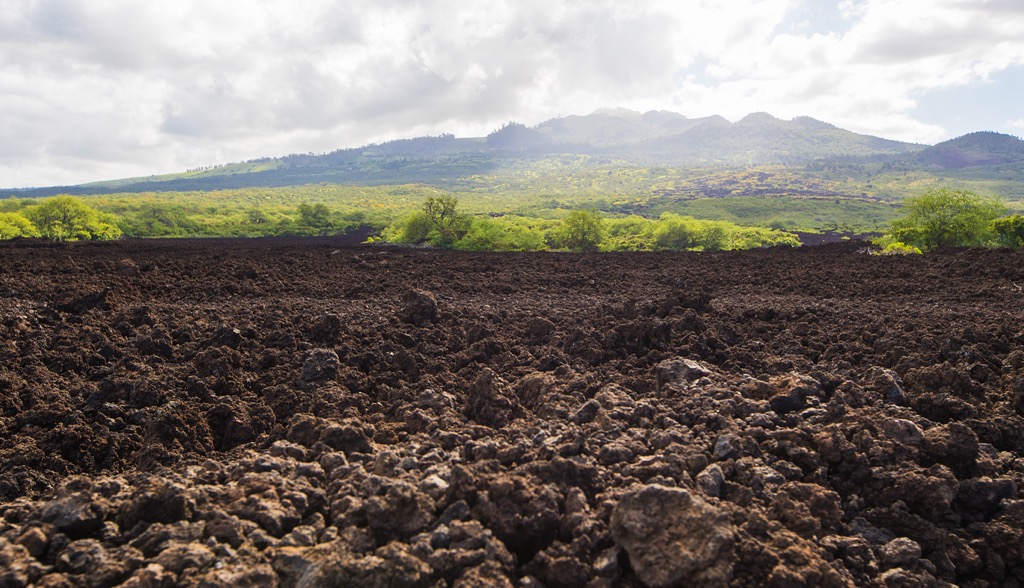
440	224
68	218
937	218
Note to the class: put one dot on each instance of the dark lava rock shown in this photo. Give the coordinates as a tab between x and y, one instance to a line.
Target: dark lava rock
674	538
321	364
832	419
419	308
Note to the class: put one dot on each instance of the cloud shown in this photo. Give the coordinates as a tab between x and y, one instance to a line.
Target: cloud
98	89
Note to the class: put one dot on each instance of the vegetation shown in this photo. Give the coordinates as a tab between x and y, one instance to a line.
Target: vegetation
944	217
65	218
567	215
1010	231
14	225
581	230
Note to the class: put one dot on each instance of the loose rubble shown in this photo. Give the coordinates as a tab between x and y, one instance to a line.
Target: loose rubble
305	413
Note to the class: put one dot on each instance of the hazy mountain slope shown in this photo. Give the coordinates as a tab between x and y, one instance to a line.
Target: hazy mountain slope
973	150
615	127
608	137
763	139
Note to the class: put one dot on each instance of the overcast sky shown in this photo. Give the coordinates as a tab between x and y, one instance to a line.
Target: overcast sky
102	89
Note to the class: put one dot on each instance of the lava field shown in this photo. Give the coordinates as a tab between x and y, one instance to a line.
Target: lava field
309	412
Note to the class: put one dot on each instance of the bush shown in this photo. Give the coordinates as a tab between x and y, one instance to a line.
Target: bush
581	230
632	233
65	218
500	234
13	225
888	245
447	225
1010	231
675	233
945	217
411	229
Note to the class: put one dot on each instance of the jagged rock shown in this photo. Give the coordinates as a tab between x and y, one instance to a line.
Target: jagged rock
900	552
726	446
419	308
17	568
710	480
348	437
321	364
333	565
77	514
185	556
96	565
399	511
954	445
540	329
522	512
674	538
492	402
34	540
679	371
902	431
487	575
886	384
151	576
979	498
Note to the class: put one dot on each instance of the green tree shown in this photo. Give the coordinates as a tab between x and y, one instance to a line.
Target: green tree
500	235
581	230
315	216
14	225
444	217
157	220
945	217
411	229
675	233
632	233
65	218
1010	231
714	236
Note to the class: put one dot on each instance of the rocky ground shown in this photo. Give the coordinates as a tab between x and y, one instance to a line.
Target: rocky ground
306	413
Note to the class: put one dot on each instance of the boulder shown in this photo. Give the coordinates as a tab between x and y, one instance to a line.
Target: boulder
419	308
674	538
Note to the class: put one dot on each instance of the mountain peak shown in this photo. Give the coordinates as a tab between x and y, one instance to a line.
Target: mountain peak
758	118
812	123
617	112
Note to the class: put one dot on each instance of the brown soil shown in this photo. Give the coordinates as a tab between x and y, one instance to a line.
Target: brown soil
306	412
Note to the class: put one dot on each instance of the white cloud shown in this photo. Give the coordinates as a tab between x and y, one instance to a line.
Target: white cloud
105	88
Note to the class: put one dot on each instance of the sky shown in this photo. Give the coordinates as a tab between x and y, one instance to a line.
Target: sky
101	89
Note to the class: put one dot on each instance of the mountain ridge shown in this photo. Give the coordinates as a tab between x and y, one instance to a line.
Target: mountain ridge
605	137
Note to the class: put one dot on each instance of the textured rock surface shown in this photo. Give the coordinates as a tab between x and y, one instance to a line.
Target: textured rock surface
674	538
301	413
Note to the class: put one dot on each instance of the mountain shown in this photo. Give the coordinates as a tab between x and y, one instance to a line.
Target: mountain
760	138
979	149
617	126
604	137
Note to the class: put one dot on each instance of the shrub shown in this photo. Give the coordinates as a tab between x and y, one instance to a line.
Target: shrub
500	234
581	230
675	233
65	218
1010	231
447	225
411	229
13	225
947	217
